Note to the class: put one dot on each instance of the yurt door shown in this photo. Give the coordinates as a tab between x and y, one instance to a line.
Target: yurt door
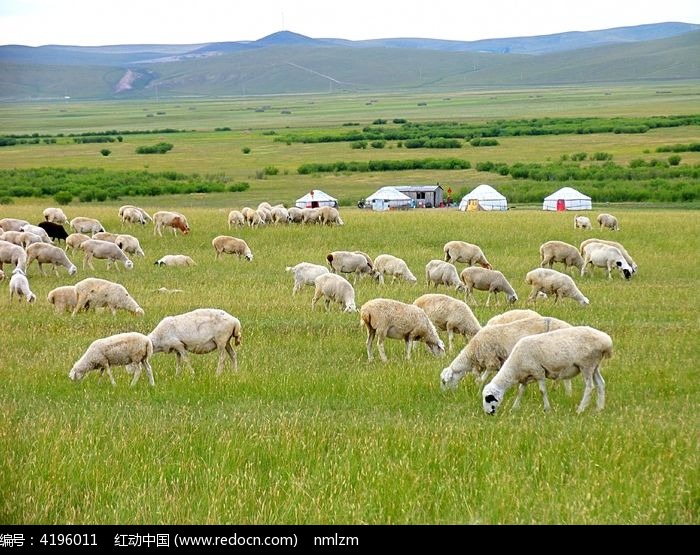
561	205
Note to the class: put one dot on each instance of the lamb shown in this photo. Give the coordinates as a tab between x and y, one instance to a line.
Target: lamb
12	254
122	349
389	265
512	315
459	251
173	220
609	221
235	217
619	246
559	251
12	224
449	314
86	225
74	240
54	231
49	254
483	279
582	222
490	347
95	248
295	215
305	273
396	320
36	230
95	293
442	273
608	257
200	331
557	355
551	282
129	244
175	260
133	215
55	215
224	244
329	216
19	285
347	262
105	236
334	288
63	298
280	215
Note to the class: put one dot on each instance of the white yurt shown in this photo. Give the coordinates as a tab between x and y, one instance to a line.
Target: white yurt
387	198
567	198
316	199
483	197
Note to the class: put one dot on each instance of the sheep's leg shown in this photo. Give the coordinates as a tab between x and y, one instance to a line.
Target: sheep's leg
327	302
297	286
521	390
370	339
41	268
588	389
380	346
600	387
137	374
450	336
55	269
109	374
567	387
79	305
232	355
409	346
532	297
542	384
315	299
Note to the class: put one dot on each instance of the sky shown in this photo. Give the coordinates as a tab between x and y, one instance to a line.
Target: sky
100	22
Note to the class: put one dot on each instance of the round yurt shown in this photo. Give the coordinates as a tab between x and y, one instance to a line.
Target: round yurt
483	197
567	198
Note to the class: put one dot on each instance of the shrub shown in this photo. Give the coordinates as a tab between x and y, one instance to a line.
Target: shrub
601	156
159	148
105	152
379	121
358	144
63	197
271	170
245	150
6	200
378	144
674	160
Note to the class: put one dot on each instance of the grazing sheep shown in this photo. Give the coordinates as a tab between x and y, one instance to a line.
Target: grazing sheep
95	293
19	285
329	216
122	349
74	240
133	215
252	217
490	347
63	298
449	314
582	222
224	244
396	320
12	254
389	265
55	215
347	262
311	215
235	217
305	273
483	279
559	251
18	237
12	224
49	254
442	273
175	260
104	250
551	282
557	355
129	244
609	221
36	230
200	331
27	238
265	215
86	225
513	315
619	246
608	257
459	251
295	215
280	215
334	288
54	231
173	220
105	236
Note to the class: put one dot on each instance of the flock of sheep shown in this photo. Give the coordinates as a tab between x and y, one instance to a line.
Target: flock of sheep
519	346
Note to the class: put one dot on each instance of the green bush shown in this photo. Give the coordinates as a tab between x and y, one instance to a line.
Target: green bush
105	152
63	197
674	160
245	150
271	170
378	144
159	148
6	200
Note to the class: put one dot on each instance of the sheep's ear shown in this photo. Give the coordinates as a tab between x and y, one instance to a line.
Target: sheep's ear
490	399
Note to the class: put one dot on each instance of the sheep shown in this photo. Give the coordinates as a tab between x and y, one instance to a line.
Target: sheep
133	215
36	230
12	224
609	221
12	254
490	347
334	288
74	240
551	282
304	274
311	215
582	222
19	285
280	215
225	244
49	254
95	293
512	315
252	217
175	260
265	215
442	273
200	331
459	251
264	205
95	248
295	215
347	262
557	355
129	244
63	298
483	279
619	246
55	215
86	225
105	236
173	220
396	320
559	251
235	217
19	237
329	216
389	265
606	256
122	349
450	315
54	231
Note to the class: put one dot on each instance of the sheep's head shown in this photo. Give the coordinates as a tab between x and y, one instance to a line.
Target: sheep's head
449	378
512	298
624	268
584	301
436	347
72	270
491	399
128	264
76	374
249	256
350	307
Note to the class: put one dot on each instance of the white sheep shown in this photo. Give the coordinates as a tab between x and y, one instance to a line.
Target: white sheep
311	215
36	230
559	251
608	221
295	215
348	262
608	257
86	225
129	244
175	260
490	347
389	265
396	320
329	215
305	273
483	279
104	250
225	244
265	215
173	220
95	293
19	285
12	224
442	273
235	217
122	349
459	251
15	237
134	215
105	236
200	331
74	240
63	298
49	254
334	288
512	315
582	222
27	238
12	254
619	246
55	215
551	282
450	315
557	355
264	205
280	215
